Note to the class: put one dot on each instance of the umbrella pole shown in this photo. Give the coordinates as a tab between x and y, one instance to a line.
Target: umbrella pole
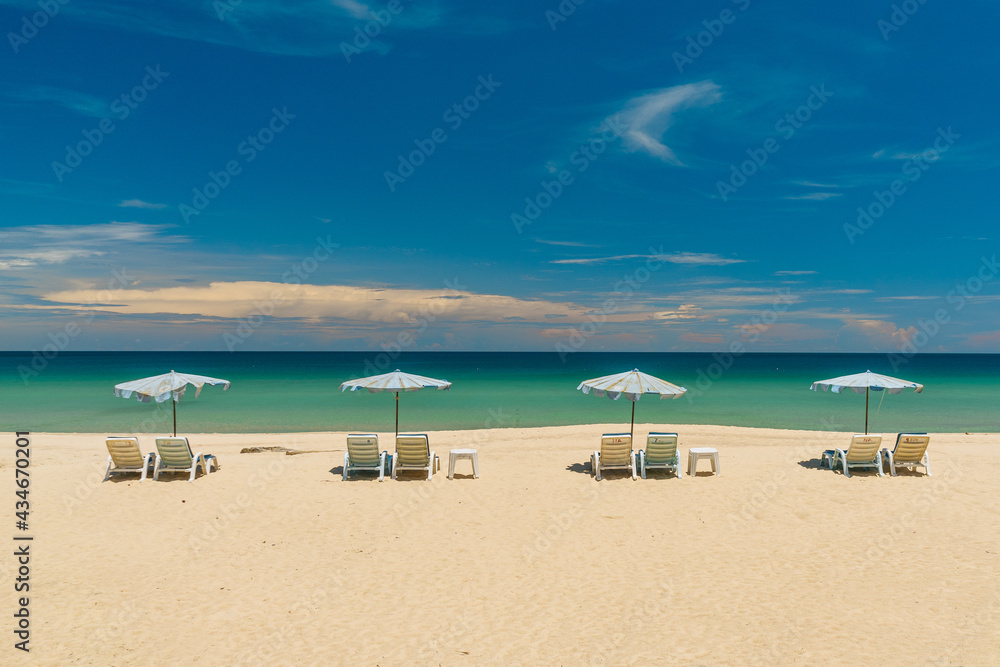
631	427
397	414
866	410
175	415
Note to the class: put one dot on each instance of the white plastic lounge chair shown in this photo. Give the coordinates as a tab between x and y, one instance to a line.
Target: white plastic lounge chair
124	457
861	453
615	454
413	452
910	451
174	455
660	454
362	455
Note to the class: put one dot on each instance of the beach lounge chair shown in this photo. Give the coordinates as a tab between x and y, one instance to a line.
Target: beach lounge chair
660	453
362	454
615	454
413	452
861	453
910	451
124	457
174	455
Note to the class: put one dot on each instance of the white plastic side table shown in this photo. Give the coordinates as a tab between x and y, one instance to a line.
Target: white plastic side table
457	454
696	453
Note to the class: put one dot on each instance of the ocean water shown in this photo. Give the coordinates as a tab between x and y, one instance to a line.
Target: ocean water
298	391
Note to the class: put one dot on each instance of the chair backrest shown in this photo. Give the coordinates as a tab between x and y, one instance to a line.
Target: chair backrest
413	449
175	452
125	452
661	447
616	449
910	447
864	448
363	449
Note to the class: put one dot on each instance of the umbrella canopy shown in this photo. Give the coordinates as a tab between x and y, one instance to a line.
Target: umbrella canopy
159	388
632	385
395	382
863	383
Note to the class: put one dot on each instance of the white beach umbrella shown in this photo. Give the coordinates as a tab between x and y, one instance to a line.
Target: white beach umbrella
395	382
632	385
866	381
159	388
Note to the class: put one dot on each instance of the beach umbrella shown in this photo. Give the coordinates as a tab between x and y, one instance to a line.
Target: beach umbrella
867	381
162	387
395	382
632	385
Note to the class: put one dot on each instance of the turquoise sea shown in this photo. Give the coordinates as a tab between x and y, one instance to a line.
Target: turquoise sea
298	391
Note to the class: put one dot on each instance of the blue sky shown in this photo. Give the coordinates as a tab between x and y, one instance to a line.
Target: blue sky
768	176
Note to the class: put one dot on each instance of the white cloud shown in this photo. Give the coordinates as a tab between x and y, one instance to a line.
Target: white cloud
815	196
354	8
81	103
794	273
573	244
648	117
697	258
32	245
138	203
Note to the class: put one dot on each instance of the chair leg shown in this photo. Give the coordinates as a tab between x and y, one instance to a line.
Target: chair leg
107	471
347	461
642	463
927	464
156	468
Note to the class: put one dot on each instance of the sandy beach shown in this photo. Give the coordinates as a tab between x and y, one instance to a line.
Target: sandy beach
275	560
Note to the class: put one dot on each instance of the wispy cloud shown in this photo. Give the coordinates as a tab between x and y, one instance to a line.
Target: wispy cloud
304	28
815	196
697	258
648	117
700	258
32	245
814	184
572	244
354	8
794	273
138	203
81	103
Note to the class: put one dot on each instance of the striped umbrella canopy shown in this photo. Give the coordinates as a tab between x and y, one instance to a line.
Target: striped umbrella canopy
632	385
863	383
395	382
159	388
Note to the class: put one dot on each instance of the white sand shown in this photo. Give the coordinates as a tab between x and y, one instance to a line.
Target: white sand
275	560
